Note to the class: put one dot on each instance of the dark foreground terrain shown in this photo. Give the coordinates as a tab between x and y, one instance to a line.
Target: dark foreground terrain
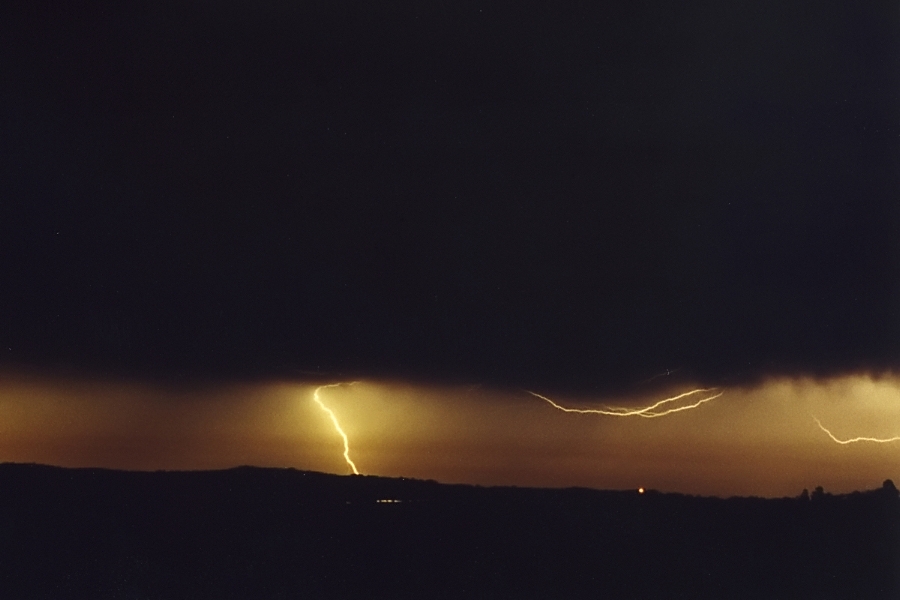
272	533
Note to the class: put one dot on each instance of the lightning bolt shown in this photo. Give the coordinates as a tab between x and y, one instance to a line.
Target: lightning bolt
337	425
648	412
896	438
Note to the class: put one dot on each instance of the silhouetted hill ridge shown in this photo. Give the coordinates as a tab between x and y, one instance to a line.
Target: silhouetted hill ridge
276	533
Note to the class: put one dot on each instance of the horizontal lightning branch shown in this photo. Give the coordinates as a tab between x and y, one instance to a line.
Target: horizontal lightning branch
648	412
896	438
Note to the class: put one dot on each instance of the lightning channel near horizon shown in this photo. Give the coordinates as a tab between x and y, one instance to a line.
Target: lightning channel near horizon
896	438
337	425
647	412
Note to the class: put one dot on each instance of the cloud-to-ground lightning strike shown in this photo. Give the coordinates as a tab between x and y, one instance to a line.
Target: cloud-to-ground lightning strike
896	438
649	412
337	425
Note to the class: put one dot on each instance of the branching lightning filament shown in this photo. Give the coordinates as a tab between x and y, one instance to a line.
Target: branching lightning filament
896	438
337	425
648	412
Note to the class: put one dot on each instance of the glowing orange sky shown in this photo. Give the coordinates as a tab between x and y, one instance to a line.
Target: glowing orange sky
762	440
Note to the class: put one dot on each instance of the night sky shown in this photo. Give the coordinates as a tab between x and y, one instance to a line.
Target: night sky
474	210
574	197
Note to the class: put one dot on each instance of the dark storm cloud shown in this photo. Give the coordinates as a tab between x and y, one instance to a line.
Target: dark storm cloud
580	197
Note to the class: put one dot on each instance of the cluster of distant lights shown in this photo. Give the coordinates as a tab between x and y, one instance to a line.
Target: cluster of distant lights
661	408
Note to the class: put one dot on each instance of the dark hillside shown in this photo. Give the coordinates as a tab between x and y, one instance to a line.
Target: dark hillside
270	533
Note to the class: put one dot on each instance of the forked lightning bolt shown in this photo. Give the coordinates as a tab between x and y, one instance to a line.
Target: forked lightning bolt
649	412
896	438
337	425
